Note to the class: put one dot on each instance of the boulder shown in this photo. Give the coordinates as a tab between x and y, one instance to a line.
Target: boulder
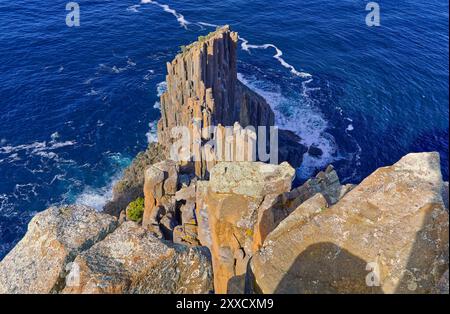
325	182
251	179
389	234
39	262
131	260
227	211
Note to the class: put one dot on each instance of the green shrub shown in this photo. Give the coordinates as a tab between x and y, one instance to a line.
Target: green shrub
135	210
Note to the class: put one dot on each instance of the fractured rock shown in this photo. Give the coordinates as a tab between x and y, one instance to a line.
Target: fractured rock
227	211
130	260
39	262
387	235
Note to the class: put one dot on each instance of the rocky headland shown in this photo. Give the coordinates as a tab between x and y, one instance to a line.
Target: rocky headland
214	224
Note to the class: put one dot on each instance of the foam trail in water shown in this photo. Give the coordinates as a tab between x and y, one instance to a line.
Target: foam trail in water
246	46
180	18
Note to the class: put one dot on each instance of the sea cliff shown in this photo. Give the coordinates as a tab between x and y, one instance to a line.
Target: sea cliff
214	224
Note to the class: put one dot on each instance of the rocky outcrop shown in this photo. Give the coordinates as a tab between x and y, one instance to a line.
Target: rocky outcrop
131	260
325	182
203	91
39	262
387	235
74	249
230	203
130	186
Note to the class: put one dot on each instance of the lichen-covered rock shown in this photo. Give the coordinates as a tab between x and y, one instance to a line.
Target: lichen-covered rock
252	179
38	263
131	260
387	235
130	186
227	211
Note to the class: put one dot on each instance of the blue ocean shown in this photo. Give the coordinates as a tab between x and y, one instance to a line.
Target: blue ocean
78	103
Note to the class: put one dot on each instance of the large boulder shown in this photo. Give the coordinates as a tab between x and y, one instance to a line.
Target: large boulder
131	260
387	235
39	262
227	211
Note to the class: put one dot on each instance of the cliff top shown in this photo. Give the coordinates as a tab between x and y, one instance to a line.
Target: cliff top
202	39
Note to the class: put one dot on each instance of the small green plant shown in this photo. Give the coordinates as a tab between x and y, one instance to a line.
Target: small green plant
183	48
135	210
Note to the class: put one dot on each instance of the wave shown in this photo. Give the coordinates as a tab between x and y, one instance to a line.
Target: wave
97	197
44	149
299	115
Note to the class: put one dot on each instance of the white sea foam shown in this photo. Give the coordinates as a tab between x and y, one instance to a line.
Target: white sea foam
152	136
161	87
299	115
278	53
207	24
42	149
180	18
98	197
245	44
95	197
92	92
134	8
130	62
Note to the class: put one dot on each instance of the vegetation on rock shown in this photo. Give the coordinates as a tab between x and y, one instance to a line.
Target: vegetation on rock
135	210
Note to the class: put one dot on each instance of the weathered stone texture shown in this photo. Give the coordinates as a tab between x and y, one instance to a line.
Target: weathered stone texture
38	263
395	220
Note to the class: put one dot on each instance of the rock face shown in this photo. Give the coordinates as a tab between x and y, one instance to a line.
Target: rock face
130	260
325	182
203	91
387	235
227	211
38	263
202	85
130	187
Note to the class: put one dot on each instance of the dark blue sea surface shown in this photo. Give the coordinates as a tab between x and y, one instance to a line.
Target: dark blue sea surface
77	104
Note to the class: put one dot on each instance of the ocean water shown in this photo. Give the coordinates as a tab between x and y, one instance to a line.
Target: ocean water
77	104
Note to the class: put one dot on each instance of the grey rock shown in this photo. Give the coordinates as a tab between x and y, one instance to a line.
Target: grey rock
38	263
130	260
